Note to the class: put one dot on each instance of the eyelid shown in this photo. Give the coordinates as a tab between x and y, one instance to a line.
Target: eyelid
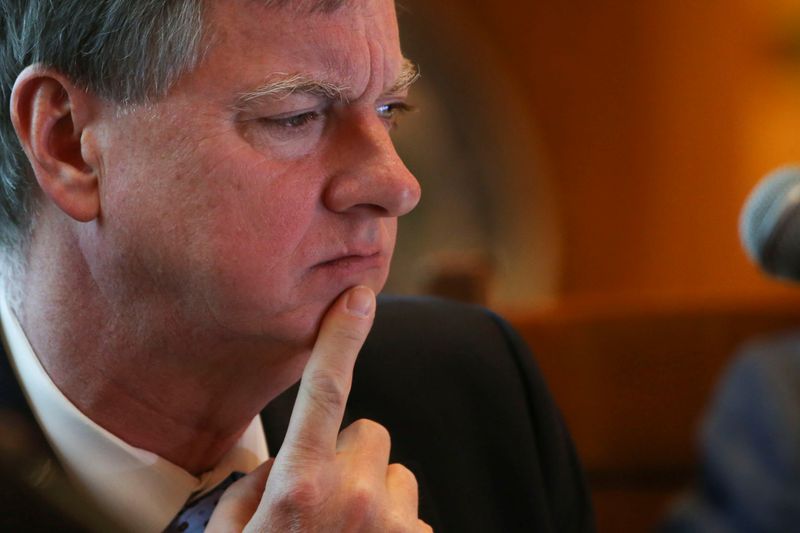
293	127
404	107
304	118
278	108
399	108
319	108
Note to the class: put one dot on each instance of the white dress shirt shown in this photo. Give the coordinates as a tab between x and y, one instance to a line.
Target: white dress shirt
135	487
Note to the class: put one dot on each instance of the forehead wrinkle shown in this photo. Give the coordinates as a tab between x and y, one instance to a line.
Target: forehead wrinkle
345	67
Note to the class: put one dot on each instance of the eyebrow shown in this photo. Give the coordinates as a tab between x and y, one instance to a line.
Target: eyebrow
283	85
409	73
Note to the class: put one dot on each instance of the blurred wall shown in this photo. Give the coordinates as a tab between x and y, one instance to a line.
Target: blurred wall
656	119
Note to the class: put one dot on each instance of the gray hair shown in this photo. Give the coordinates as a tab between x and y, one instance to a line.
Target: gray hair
125	51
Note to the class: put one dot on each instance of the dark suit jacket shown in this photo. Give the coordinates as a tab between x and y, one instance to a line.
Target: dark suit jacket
468	413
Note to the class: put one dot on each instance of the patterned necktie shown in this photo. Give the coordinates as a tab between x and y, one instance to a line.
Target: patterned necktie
194	516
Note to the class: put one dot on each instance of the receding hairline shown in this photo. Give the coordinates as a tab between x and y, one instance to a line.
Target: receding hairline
281	85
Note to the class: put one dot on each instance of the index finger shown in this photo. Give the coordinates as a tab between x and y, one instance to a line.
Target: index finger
325	385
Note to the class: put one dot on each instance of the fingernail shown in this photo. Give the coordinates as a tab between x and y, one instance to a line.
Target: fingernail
359	301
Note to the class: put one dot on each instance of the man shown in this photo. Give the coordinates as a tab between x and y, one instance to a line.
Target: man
206	205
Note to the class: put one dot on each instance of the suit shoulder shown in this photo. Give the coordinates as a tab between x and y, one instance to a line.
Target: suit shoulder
451	344
438	324
447	379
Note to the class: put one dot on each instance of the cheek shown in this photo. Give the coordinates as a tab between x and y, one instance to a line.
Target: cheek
257	235
261	219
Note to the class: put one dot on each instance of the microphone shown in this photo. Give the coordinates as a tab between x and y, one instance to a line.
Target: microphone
769	225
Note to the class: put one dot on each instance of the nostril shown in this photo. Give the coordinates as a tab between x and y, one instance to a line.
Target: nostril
371	209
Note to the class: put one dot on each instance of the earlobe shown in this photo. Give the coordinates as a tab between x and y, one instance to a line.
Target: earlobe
50	117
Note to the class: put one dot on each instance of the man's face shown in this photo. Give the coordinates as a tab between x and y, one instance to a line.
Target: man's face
241	206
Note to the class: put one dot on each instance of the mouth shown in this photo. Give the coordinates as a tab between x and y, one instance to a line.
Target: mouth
352	262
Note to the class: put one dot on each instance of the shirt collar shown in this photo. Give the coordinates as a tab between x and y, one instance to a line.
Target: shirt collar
135	487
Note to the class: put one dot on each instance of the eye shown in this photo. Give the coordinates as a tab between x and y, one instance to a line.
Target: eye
391	112
293	127
293	122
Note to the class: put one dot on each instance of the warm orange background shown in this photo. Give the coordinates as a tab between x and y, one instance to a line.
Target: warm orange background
656	118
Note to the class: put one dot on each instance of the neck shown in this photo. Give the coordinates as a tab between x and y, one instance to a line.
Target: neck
136	369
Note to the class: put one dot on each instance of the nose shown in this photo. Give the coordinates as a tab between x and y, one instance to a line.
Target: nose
368	175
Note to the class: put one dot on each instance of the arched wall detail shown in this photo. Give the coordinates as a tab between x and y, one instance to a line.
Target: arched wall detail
476	152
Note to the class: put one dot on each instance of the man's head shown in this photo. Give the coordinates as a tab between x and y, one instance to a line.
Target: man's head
228	160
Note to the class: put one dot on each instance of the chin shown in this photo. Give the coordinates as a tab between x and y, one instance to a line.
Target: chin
296	321
305	322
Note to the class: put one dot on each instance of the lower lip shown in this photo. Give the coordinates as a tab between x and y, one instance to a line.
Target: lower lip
352	264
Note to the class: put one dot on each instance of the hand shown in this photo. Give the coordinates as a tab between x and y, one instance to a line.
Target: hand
323	480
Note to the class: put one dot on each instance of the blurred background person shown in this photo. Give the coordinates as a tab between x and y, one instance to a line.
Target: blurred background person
749	479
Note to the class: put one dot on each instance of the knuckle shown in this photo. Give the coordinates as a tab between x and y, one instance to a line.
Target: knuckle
373	431
301	497
348	335
327	391
361	502
402	474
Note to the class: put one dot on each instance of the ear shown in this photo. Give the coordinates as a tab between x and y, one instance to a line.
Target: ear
51	117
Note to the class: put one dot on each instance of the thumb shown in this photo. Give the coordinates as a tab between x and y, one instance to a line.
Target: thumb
240	501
